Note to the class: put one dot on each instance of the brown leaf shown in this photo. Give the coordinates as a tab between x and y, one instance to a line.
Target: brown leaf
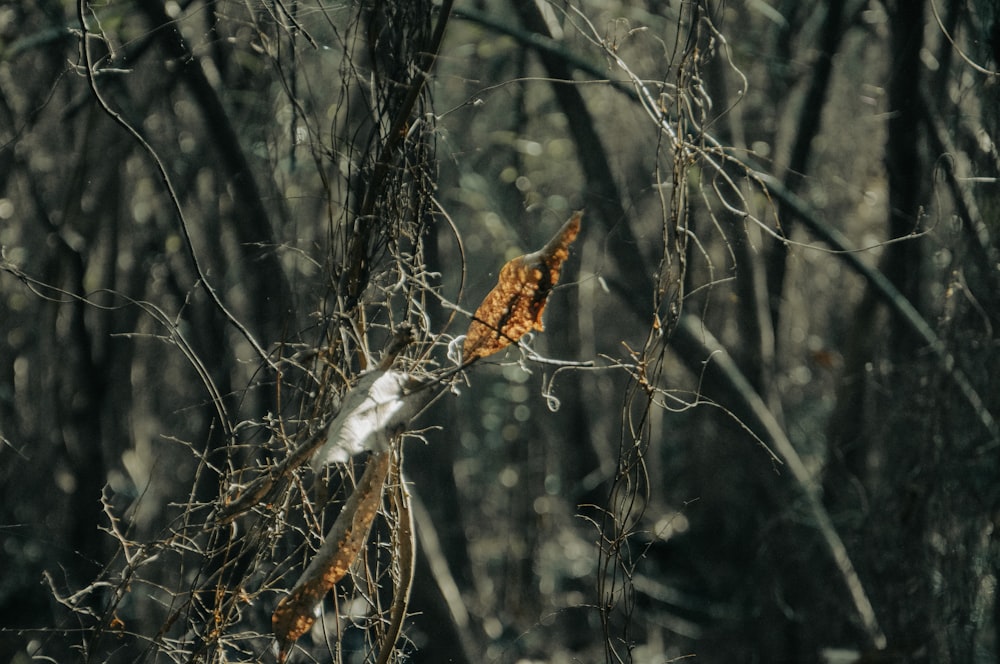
295	613
514	307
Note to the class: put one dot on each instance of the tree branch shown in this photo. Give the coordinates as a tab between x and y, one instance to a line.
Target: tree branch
253	229
693	342
889	295
808	123
90	72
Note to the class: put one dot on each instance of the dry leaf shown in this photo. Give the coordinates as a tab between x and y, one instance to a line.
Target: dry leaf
514	307
295	612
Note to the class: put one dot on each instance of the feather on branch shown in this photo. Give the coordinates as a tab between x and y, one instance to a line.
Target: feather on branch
378	408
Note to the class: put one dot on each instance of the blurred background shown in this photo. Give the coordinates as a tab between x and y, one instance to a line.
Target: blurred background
759	425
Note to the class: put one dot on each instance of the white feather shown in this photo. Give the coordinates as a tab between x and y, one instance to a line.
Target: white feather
376	409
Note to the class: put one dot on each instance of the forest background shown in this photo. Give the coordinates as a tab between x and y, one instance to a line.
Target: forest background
760	424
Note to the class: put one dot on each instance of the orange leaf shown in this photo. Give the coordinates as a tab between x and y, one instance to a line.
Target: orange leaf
294	615
514	307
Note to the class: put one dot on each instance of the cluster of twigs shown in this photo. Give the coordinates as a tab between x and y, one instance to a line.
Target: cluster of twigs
247	541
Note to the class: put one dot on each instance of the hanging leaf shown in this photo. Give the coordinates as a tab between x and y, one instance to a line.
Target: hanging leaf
514	307
295	613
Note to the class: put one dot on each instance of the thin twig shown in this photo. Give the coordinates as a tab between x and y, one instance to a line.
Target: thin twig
88	66
405	541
